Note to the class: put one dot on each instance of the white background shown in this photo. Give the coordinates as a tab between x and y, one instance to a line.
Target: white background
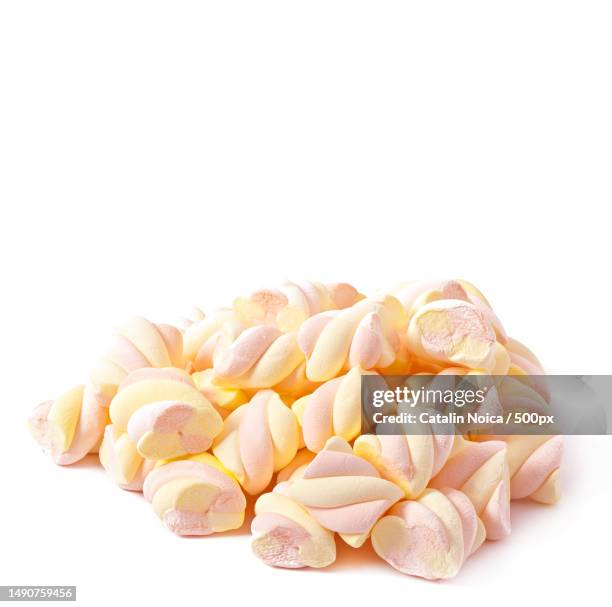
154	155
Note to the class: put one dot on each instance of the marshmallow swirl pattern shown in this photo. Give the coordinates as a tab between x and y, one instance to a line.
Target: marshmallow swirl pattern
417	294
255	358
365	335
343	492
164	413
430	537
286	535
480	470
333	409
195	496
202	336
71	426
138	344
453	332
257	440
121	460
534	463
289	305
269	391
410	461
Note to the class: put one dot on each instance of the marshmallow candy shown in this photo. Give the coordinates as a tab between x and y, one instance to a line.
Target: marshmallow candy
257	440
71	426
534	463
416	294
453	333
289	305
201	338
164	413
480	470
121	460
255	358
333	409
286	535
195	496
410	461
430	537
366	335
343	492
138	344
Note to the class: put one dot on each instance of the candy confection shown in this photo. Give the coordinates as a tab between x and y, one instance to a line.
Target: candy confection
534	463
429	537
286	535
164	413
344	492
195	496
257	440
264	399
138	344
121	460
410	461
69	427
365	335
480	470
289	305
333	409
256	357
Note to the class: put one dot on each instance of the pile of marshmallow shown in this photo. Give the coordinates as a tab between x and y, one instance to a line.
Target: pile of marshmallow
264	399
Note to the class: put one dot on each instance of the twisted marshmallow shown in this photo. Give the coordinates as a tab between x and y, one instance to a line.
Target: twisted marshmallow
480	470
257	440
71	426
289	305
343	492
255	358
195	496
201	338
138	344
410	461
533	463
430	537
453	333
413	295
164	413
366	335
121	460
286	535
333	409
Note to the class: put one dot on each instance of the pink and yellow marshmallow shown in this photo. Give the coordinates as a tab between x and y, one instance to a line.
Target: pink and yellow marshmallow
202	336
480	470
365	335
410	461
534	463
121	460
287	306
257	440
71	426
333	409
195	496
454	333
430	537
286	535
138	344
164	413
343	492
255	358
